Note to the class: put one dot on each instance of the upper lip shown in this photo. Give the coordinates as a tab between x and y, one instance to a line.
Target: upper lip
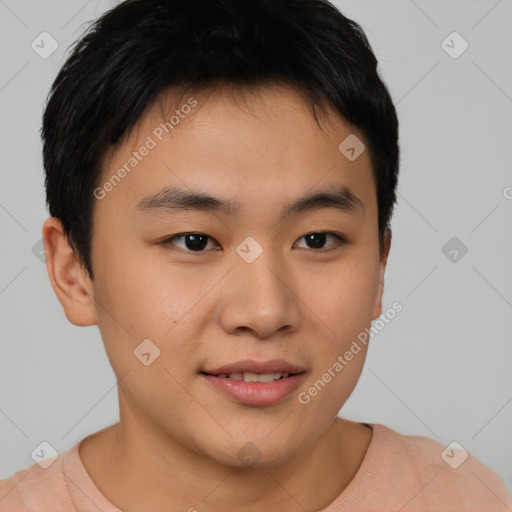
252	366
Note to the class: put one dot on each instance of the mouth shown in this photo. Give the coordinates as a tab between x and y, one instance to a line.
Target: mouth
250	367
256	383
252	377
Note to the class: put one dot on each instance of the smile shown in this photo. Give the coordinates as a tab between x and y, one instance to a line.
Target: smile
253	377
255	383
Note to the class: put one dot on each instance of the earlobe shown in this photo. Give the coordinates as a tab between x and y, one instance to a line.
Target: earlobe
377	311
69	279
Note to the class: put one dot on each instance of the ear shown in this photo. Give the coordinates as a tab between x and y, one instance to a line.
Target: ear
69	278
377	310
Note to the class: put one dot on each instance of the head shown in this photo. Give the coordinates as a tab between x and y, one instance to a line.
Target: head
202	197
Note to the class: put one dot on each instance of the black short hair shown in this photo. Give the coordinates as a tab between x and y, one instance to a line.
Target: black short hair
138	50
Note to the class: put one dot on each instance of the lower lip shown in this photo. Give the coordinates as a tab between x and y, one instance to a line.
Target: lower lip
256	393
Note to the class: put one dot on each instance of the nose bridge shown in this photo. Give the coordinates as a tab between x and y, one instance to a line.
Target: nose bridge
258	296
263	281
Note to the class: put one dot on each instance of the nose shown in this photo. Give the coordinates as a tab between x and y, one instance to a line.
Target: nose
259	297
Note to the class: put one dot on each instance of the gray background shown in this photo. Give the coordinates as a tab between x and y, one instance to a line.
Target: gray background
441	368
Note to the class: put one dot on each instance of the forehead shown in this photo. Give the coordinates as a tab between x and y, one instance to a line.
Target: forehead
257	145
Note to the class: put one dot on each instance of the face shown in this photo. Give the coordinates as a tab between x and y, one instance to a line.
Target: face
277	271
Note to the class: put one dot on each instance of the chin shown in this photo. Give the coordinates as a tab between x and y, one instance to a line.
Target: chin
258	449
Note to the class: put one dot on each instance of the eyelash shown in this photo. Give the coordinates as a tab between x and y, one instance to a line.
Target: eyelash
341	240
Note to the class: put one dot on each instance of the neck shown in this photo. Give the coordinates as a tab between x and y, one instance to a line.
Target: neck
137	468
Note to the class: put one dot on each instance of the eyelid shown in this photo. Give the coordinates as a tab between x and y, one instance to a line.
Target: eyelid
341	240
168	241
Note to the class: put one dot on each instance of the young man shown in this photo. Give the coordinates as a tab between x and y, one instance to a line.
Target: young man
221	178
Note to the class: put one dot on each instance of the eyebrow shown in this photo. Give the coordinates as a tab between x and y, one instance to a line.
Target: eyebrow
176	199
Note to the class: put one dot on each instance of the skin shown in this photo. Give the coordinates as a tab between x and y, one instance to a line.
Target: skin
175	447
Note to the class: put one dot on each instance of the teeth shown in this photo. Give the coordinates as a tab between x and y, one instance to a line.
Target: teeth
254	377
268	377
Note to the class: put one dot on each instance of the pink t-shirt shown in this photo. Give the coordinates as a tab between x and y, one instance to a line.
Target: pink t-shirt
399	472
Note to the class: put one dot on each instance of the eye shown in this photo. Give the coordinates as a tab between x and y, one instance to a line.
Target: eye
317	240
199	242
192	242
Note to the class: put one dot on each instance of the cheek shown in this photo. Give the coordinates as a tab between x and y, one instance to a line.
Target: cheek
331	384
148	296
147	315
342	297
140	300
344	308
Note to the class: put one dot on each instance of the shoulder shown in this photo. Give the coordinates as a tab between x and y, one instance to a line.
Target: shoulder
444	476
36	487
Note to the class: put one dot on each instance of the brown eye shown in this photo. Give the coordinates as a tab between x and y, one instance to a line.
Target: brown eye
317	240
194	242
